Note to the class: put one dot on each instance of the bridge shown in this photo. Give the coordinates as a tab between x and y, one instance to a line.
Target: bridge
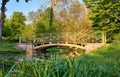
84	41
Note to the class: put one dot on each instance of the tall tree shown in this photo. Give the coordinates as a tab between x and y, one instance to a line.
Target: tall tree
105	15
42	26
73	15
17	24
2	18
27	31
51	13
34	16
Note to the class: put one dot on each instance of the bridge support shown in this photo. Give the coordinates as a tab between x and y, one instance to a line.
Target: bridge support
104	38
28	50
20	40
92	46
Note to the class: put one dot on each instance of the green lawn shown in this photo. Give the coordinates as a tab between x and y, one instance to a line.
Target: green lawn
104	62
8	47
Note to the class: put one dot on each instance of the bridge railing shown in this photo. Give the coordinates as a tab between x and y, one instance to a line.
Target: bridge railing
63	37
67	37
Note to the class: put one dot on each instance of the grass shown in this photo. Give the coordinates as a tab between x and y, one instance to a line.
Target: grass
8	47
0	73
7	54
55	49
104	62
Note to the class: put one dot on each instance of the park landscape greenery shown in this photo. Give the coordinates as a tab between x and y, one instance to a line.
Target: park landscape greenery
103	62
65	16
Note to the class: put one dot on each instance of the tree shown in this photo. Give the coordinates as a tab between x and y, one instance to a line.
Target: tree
27	31
68	15
14	26
2	18
7	29
105	15
73	15
42	26
51	13
17	24
34	16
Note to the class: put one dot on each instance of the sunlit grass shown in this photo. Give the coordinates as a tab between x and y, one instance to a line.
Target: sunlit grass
8	47
104	62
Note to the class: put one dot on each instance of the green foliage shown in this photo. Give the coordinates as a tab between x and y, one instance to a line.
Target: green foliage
8	47
6	28
0	73
73	15
106	16
117	36
14	26
34	16
27	31
104	62
2	17
80	50
17	23
43	23
55	49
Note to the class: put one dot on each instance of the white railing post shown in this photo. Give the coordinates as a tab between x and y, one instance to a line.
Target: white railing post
20	40
50	39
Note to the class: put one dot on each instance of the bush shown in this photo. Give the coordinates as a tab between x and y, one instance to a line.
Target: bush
117	37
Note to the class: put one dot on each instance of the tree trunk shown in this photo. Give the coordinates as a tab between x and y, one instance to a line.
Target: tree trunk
51	15
0	32
2	18
53	1
1	26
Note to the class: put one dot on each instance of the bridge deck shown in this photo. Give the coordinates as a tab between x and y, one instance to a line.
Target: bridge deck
59	44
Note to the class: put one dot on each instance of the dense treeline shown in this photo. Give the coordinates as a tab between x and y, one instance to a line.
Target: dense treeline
106	17
68	16
3	15
73	17
14	26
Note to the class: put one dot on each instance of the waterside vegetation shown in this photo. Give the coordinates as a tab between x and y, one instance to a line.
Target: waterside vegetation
9	47
104	62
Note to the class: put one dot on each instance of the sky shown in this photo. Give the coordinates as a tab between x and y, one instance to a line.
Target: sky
22	6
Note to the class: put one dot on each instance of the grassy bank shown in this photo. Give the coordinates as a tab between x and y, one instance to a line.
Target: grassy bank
104	62
8	47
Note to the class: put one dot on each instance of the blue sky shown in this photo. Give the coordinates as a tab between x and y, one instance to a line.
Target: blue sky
33	5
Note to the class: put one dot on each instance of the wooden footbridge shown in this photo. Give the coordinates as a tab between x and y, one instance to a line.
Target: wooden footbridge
84	41
67	39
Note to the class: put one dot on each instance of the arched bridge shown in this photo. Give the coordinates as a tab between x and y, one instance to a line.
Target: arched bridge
66	44
68	39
